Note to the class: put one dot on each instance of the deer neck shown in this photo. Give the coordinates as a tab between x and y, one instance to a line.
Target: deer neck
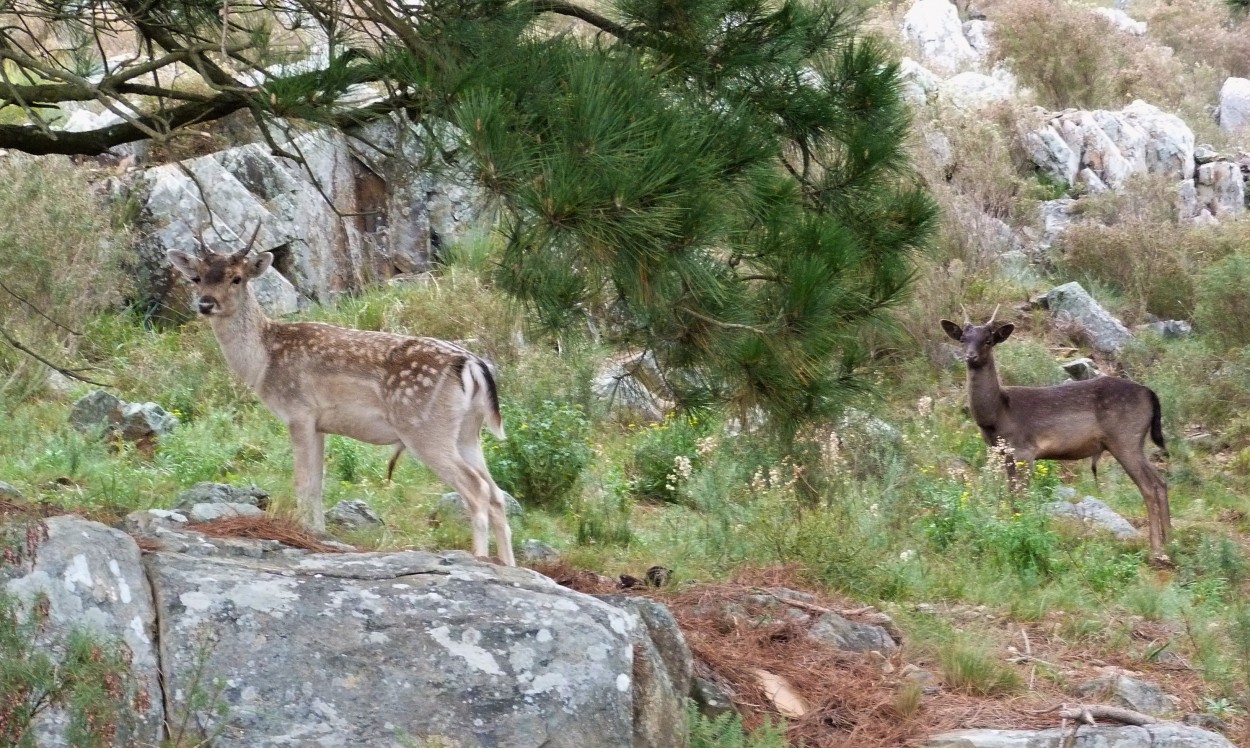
985	394
241	337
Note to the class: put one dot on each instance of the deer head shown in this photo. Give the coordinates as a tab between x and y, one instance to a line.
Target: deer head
978	340
221	279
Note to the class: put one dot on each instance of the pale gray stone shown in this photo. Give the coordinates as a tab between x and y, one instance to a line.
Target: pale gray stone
93	580
1172	328
1168	735
934	29
1082	369
9	492
1070	302
1094	513
374	649
208	512
95	412
920	85
1056	218
453	502
221	493
1119	689
978	32
1205	153
535	552
1221	189
1121	20
353	514
851	636
971	90
1234	111
1186	200
143	420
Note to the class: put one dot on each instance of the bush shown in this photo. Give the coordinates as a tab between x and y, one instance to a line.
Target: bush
58	257
975	672
665	456
1074	58
546	451
1223	309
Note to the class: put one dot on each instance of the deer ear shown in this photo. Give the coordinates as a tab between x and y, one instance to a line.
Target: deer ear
952	329
1002	332
256	266
185	263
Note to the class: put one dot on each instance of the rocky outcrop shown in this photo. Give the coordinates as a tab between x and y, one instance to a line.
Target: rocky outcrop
1220	189
1113	145
278	646
934	29
1234	111
1072	304
342	213
1118	688
1121	21
1168	735
971	90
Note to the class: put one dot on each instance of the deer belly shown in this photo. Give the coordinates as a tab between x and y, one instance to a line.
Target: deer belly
1059	448
361	422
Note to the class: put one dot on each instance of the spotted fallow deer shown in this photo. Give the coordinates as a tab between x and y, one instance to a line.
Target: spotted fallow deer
1069	421
425	395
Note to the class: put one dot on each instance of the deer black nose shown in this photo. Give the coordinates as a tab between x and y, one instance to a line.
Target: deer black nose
207	306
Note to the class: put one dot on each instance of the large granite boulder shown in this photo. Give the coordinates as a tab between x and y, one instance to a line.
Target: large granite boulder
933	28
354	210
1071	303
1234	111
375	649
1113	145
90	580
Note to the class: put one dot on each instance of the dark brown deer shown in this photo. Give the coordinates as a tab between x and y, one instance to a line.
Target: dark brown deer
425	395
1070	421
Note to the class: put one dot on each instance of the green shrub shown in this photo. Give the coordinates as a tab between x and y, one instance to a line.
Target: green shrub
1223	309
603	514
975	672
665	456
546	451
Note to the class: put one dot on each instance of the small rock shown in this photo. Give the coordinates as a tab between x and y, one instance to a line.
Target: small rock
95	412
1172	328
9	492
851	636
1119	689
537	552
1235	104
208	512
452	501
221	493
1082	369
353	514
1093	512
925	679
1206	722
1205	153
142	421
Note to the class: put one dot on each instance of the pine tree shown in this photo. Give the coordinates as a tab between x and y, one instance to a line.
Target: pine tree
723	181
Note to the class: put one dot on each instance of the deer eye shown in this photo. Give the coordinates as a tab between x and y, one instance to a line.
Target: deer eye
196	279
237	281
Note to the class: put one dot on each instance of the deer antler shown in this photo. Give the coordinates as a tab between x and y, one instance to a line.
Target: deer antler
199	236
244	252
967	319
995	314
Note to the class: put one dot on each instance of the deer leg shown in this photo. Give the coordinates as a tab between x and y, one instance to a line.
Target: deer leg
308	448
443	457
1154	493
471	451
390	466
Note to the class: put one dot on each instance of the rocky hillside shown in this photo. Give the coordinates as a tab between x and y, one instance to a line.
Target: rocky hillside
874	583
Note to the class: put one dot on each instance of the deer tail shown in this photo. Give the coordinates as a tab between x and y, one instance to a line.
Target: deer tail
1156	422
479	371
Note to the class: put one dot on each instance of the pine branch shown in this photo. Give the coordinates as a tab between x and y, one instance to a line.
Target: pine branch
71	373
600	22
